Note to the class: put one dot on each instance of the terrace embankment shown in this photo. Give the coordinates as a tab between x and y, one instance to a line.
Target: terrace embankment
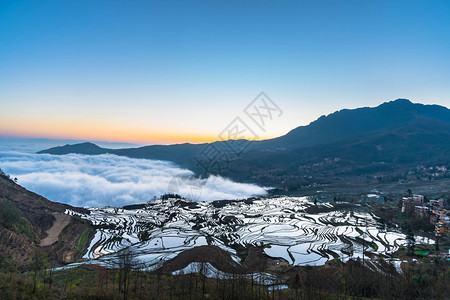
217	257
256	261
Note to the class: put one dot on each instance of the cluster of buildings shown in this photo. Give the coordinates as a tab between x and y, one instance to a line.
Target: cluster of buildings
434	209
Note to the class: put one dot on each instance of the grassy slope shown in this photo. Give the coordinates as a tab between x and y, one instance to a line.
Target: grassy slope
24	219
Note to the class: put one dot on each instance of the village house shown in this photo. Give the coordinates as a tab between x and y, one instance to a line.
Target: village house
441	228
436	203
422	211
409	203
439	216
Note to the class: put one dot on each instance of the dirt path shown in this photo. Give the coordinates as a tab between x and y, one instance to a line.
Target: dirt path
62	220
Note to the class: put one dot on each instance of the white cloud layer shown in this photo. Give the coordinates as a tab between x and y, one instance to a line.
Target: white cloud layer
110	180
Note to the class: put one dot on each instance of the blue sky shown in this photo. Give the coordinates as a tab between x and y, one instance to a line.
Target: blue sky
175	71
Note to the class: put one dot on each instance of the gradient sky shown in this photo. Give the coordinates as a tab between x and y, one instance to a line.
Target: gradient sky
181	71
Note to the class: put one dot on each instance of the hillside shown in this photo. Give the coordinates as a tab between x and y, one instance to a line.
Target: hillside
384	141
29	222
386	156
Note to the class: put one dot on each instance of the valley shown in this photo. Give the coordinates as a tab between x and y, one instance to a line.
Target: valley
234	150
291	229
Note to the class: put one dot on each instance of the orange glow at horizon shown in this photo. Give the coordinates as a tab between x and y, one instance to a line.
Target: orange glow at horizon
124	137
100	132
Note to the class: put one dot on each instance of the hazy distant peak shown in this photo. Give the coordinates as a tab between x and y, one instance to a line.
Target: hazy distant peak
85	148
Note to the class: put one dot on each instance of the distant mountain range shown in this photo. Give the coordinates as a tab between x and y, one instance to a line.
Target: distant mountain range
382	142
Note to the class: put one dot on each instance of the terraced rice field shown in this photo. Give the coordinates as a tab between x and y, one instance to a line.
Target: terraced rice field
159	230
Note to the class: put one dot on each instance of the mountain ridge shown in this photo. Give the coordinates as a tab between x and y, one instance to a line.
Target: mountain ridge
385	115
399	133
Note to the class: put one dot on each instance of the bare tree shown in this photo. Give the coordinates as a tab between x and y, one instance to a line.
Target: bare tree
126	263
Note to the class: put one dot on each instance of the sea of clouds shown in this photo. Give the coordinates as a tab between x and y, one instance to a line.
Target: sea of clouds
111	180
